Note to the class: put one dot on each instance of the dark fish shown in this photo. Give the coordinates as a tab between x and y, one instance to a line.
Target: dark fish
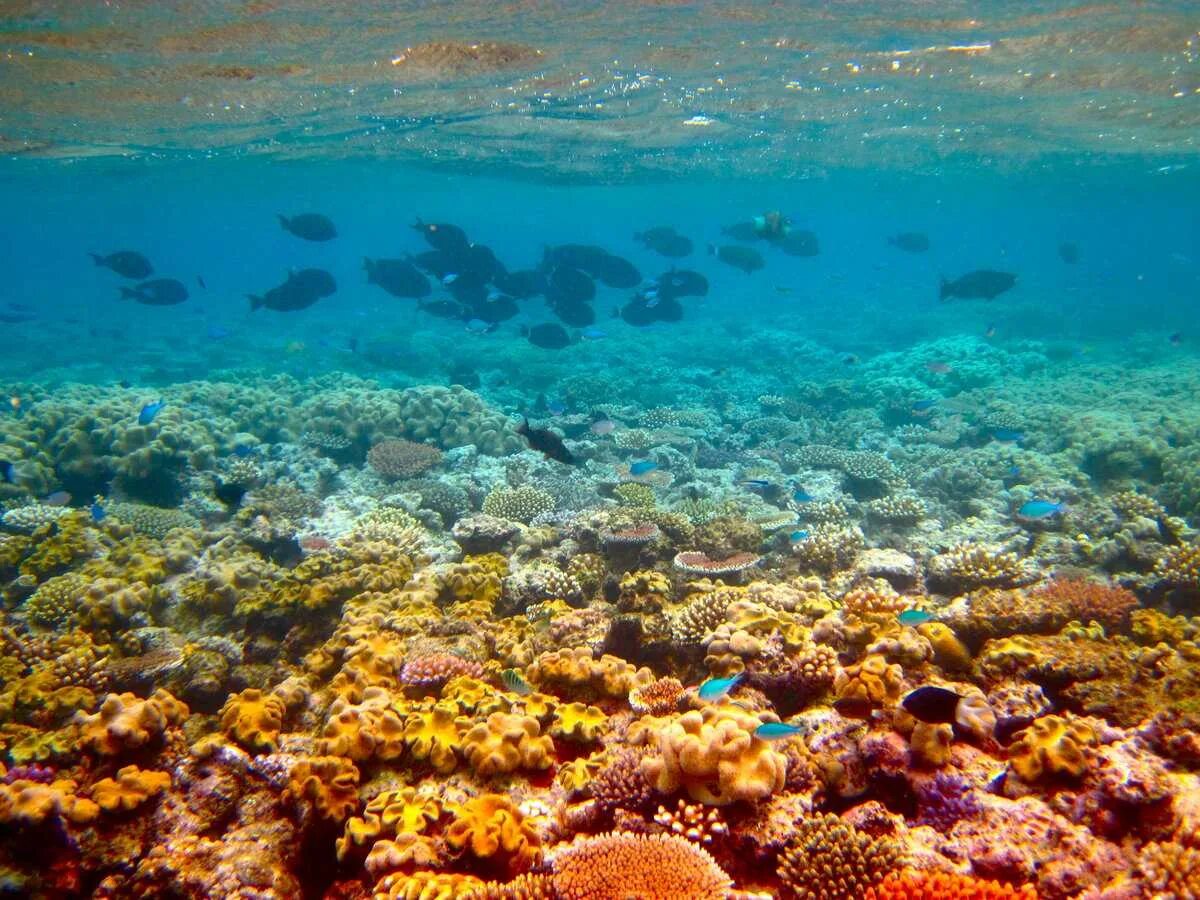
799	243
443	309
522	284
681	283
442	236
229	492
159	292
438	263
481	260
7	471
1068	252
982	283
577	256
577	315
399	277
1176	339
569	285
742	231
616	272
546	442
665	241
923	405
309	226
57	498
316	281
933	705
745	258
126	263
497	308
550	336
469	288
642	311
910	241
200	282
301	290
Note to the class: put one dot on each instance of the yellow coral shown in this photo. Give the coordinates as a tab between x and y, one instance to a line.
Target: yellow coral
868	685
931	743
948	651
577	672
130	789
713	754
490	827
126	722
32	803
1052	745
507	742
434	734
370	729
389	814
426	886
323	787
578	722
253	719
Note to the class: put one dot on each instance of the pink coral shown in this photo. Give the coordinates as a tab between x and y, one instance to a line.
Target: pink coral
432	670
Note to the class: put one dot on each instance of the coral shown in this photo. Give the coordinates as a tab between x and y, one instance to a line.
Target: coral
620	866
658	698
1108	604
621	784
1168	869
713	754
253	719
579	673
397	459
931	743
899	509
697	563
967	566
390	814
699	824
578	722
948	651
125	722
322	789
832	859
130	789
868	685
29	803
520	504
152	521
643	590
703	613
491	829
432	670
1050	746
634	495
912	885
31	517
53	604
506	742
1180	566
434	735
944	800
368	729
829	548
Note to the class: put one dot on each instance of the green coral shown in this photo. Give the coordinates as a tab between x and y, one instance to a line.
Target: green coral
634	495
521	504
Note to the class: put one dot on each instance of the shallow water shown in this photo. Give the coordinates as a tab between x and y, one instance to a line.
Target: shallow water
332	539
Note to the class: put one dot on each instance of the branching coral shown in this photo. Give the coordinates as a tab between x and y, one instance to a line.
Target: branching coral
402	459
832	859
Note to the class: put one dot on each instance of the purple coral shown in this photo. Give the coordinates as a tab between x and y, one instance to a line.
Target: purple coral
31	772
945	800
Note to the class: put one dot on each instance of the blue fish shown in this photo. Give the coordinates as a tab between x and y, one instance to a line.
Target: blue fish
1040	509
798	536
777	731
593	334
1008	435
149	411
556	407
478	326
642	467
716	688
914	617
450	279
97	512
1014	471
241	451
923	405
802	496
7	471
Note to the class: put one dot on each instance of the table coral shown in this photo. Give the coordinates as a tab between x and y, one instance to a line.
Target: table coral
712	754
619	866
400	458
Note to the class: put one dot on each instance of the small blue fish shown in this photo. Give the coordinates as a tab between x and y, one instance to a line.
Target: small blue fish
149	411
802	496
923	405
7	471
777	731
1008	435
450	279
652	302
556	407
593	334
914	617
478	326
97	511
798	536
716	688
514	681
642	467
241	451
1040	509
1014	471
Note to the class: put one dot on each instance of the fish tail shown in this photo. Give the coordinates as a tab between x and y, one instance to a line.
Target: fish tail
370	269
944	289
523	428
283	220
255	301
99	260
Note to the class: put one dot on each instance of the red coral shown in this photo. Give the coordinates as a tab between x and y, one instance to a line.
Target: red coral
1108	604
945	886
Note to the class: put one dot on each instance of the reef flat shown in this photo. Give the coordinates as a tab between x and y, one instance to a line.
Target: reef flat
923	628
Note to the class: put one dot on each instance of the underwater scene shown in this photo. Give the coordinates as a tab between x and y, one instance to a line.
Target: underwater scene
600	451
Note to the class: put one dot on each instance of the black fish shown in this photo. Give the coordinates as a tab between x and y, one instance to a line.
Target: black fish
200	281
438	263
569	285
577	315
7	471
742	231
398	277
481	260
642	310
577	256
469	288
126	263
934	705
665	241
910	242
309	226
546	442
1068	252
440	236
301	290
229	493
616	272
799	243
681	283
443	309
522	284
982	283
159	292
549	336
745	258
495	308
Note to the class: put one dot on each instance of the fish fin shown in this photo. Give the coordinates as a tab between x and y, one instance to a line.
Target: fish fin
98	258
255	301
944	288
418	225
523	428
370	269
283	220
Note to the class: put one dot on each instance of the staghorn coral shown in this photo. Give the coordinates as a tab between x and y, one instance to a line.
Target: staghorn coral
712	754
622	785
620	866
829	548
703	613
830	858
1180	567
432	670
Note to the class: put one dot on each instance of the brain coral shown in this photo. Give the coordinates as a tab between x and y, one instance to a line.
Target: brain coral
833	860
621	866
713	754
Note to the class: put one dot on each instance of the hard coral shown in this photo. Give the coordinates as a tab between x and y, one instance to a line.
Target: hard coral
1108	604
911	885
834	860
652	867
402	458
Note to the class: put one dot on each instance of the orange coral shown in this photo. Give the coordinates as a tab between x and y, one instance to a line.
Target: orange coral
651	867
253	719
323	787
126	722
507	742
30	803
1108	604
910	885
130	789
490	827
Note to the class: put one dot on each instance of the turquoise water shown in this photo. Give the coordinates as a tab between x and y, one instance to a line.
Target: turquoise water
371	598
